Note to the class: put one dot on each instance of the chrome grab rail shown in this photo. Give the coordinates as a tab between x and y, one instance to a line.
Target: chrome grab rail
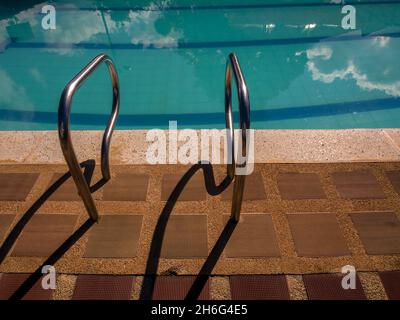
64	132
232	66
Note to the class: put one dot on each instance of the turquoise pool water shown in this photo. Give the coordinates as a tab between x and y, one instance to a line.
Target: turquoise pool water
303	70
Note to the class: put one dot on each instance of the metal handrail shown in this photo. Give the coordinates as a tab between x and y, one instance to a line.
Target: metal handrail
232	65
64	132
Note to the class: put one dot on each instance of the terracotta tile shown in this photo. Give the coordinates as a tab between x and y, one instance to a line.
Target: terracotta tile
65	192
254	236
10	282
317	234
195	190
360	184
43	234
253	188
5	222
126	187
379	231
329	287
103	287
299	186
394	177
176	288
16	186
391	283
257	287
185	237
115	236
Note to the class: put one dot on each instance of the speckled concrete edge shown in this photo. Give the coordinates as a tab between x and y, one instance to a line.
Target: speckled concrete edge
271	146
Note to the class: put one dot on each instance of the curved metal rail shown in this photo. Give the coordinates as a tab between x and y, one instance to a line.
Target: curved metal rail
64	132
232	66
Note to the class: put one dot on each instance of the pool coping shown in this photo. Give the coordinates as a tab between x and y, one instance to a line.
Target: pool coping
271	146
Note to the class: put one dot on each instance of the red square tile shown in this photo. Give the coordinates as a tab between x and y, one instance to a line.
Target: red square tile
300	186
43	234
254	236
379	231
16	186
253	188
115	236
10	283
126	187
176	288
195	189
259	287
103	287
360	184
67	191
5	222
391	283
329	287
317	234
185	237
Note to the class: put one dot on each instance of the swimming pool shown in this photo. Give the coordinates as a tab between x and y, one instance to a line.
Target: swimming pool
303	70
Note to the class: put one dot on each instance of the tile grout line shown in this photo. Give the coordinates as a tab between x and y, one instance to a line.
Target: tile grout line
372	285
297	289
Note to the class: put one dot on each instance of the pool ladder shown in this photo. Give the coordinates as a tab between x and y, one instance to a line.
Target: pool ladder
232	66
64	132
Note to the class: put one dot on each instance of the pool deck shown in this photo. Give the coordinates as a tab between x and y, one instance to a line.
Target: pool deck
271	146
302	220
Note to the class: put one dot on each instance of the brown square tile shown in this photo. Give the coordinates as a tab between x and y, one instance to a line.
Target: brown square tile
253	188
299	186
360	184
16	186
391	283
257	287
195	190
185	237
329	287
317	234
67	191
379	231
126	187
115	236
176	288
394	177
10	282
43	234
5	222
103	287
254	236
